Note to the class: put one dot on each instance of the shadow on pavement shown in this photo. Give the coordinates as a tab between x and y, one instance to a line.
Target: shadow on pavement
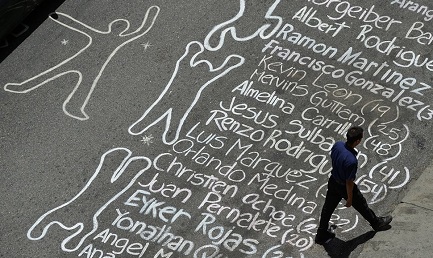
338	248
30	24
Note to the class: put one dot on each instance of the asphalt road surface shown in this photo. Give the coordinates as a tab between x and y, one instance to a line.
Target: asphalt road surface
203	128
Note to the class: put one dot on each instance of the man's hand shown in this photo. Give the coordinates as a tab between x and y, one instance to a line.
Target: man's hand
349	189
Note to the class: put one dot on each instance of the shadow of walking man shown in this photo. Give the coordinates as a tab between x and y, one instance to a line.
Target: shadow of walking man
338	248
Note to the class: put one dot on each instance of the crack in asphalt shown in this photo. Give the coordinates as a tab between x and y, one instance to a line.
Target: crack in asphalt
419	206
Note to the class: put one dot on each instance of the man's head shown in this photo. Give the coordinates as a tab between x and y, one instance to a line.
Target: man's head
354	135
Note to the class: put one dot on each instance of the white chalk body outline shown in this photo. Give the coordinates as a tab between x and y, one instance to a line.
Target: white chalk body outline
168	113
80	76
79	225
207	46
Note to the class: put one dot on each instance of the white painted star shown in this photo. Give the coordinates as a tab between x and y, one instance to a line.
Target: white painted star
147	139
65	42
146	45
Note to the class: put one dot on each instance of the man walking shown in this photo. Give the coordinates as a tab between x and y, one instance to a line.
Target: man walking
341	185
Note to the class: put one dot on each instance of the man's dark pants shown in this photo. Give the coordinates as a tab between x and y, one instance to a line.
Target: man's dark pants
337	191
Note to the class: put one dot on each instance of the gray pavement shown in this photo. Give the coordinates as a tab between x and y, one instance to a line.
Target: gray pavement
412	227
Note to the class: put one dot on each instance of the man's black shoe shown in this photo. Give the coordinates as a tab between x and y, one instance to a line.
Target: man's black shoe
382	223
324	237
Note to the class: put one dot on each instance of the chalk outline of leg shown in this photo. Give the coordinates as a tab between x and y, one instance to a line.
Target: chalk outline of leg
260	31
79	226
168	114
80	76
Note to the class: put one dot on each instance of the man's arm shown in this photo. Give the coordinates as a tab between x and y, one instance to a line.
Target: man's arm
349	189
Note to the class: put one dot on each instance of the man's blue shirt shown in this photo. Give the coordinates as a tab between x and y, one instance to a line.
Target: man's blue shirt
344	162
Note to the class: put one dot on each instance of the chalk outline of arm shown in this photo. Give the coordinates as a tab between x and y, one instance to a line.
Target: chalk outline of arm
95	81
79	226
232	30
